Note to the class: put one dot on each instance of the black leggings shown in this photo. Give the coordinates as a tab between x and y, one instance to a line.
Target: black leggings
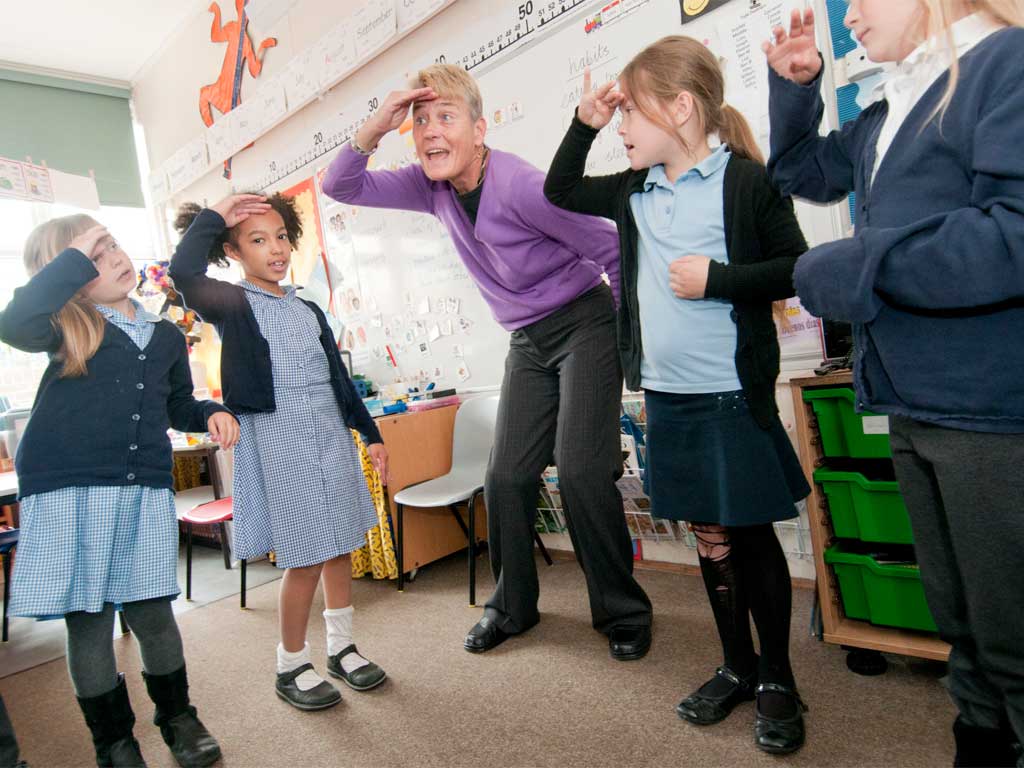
746	574
91	660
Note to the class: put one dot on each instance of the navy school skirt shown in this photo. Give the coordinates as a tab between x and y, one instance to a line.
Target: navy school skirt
708	461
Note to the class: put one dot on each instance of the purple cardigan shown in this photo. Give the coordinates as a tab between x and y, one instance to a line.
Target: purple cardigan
528	257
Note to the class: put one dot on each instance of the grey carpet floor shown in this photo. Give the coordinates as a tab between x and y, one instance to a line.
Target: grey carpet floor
552	697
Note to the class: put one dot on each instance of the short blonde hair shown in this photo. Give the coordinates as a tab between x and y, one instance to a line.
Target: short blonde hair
450	81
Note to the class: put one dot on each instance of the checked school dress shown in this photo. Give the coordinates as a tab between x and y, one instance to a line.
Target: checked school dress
299	484
82	547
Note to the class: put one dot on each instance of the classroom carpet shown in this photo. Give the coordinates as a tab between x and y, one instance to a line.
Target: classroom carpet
553	697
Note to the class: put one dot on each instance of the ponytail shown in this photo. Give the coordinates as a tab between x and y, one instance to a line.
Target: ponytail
736	132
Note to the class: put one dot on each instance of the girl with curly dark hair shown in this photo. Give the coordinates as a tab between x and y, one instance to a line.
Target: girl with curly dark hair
299	488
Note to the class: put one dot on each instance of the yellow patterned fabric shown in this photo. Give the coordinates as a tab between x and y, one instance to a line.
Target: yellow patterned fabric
378	556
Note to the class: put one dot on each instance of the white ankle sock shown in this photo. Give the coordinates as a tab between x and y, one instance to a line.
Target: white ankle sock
287	661
339	637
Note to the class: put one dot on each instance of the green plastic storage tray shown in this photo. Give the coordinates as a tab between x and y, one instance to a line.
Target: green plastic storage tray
890	595
845	432
868	510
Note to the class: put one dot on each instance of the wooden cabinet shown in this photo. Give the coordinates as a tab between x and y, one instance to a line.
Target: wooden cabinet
837	628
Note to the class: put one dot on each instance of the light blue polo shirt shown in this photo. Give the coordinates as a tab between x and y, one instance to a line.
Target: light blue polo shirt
689	345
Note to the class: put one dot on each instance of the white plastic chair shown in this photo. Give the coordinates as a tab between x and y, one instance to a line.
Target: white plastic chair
471	450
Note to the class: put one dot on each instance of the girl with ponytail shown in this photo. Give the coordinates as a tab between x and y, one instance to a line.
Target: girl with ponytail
707	246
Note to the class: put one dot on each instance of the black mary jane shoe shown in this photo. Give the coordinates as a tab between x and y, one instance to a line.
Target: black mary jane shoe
322	696
779	736
363	679
484	636
701	709
629	641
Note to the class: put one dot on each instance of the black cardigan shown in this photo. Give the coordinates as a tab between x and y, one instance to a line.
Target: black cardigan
762	238
108	427
246	374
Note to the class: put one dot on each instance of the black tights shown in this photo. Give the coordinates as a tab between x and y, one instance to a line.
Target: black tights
746	574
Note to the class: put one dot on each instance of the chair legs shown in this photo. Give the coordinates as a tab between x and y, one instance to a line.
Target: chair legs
188	561
6	558
225	548
400	553
543	549
471	533
242	561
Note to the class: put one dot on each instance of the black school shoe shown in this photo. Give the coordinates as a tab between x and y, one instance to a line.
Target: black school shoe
779	736
363	679
985	747
184	733
629	642
110	719
703	709
321	696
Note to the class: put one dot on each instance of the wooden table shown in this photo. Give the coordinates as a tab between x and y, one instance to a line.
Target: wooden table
420	448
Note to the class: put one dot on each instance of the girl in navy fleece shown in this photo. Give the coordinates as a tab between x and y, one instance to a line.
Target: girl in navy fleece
94	468
932	282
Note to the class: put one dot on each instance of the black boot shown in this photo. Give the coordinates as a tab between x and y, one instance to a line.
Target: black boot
983	747
190	742
110	718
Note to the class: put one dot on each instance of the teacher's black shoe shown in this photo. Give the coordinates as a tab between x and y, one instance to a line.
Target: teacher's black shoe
484	635
705	708
629	641
779	736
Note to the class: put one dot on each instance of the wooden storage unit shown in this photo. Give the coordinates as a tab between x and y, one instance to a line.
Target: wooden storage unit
837	628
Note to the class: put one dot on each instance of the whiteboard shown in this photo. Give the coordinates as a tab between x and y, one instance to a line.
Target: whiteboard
408	309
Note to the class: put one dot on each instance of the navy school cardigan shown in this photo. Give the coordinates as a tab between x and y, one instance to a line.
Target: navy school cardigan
246	373
933	278
108	427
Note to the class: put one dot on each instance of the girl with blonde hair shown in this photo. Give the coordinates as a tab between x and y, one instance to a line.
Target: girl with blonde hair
98	527
932	281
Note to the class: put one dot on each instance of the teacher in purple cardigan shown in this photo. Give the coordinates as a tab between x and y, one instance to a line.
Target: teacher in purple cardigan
540	270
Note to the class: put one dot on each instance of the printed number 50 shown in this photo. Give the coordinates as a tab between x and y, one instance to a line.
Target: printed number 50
525	10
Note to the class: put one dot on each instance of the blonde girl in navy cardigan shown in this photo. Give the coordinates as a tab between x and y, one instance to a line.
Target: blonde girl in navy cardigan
933	283
94	468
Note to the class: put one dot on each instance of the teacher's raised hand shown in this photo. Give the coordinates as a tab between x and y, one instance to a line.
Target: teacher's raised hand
390	116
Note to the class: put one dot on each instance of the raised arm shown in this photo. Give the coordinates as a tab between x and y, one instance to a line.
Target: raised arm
566	185
27	322
347	179
803	163
207	296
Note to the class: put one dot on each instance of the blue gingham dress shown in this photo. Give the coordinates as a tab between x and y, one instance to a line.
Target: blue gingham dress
82	547
299	484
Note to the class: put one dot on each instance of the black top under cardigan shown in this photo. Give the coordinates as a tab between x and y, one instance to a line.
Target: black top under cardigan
246	374
762	239
108	427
